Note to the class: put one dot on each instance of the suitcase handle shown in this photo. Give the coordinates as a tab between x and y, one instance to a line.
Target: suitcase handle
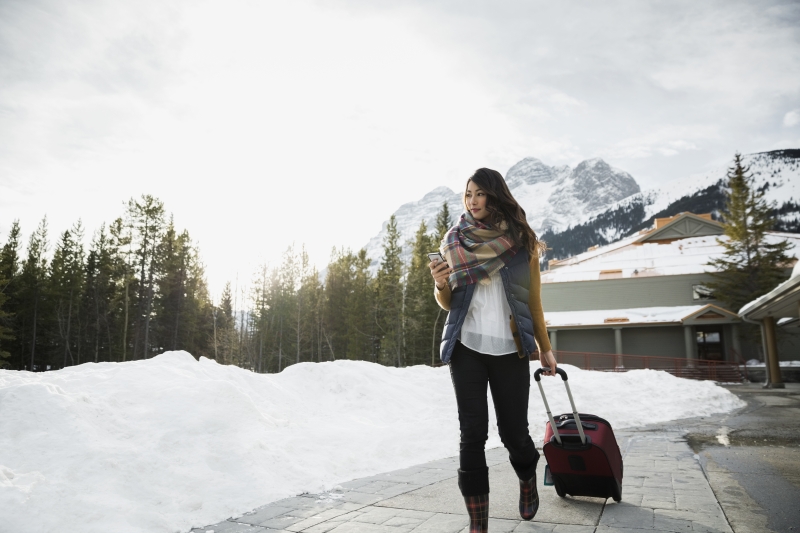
560	372
570	424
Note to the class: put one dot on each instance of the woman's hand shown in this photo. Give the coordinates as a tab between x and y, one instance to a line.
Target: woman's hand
440	272
549	360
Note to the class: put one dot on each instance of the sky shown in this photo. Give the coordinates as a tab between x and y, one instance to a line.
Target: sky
260	124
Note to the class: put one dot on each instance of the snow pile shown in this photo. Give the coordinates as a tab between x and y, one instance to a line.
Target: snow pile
171	443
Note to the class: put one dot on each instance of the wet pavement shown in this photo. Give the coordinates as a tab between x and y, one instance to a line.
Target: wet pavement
752	458
738	472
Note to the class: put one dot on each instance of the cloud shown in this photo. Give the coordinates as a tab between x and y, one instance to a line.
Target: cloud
265	111
792	118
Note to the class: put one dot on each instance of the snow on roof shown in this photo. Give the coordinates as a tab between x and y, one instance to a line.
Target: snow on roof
606	317
623	259
779	290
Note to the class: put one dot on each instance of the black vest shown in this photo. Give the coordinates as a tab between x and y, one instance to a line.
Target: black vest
516	276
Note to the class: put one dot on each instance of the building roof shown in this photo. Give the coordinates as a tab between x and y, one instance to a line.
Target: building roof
641	316
680	245
781	302
680	227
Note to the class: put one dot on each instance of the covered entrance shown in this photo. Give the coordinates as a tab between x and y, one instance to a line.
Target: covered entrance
710	343
704	332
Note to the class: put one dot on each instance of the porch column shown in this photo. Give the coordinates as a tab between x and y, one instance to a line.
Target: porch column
737	346
618	347
554	339
689	341
771	345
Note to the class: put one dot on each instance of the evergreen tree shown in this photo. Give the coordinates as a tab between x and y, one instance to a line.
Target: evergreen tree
66	289
5	330
9	278
146	216
33	295
100	296
80	307
339	290
261	316
390	302
182	318
124	273
363	341
443	223
421	307
224	334
751	265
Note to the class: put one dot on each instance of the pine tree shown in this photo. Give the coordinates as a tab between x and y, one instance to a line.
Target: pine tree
33	293
260	315
390	302
5	330
363	340
9	279
66	289
443	222
147	218
100	296
123	272
224	327
751	265
421	307
338	292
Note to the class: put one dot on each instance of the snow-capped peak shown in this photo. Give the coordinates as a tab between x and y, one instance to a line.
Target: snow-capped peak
552	197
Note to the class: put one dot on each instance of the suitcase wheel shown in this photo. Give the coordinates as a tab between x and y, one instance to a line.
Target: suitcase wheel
560	488
616	493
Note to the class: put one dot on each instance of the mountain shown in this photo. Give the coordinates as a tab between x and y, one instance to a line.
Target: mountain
776	172
554	198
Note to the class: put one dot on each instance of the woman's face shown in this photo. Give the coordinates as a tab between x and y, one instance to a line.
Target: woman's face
475	200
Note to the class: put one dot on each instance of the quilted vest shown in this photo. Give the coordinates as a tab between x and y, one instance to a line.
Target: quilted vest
516	276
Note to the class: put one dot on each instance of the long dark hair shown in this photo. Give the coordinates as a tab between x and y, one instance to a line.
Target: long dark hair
502	207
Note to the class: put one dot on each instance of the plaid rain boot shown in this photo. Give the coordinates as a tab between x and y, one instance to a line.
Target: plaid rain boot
478	511
528	498
474	486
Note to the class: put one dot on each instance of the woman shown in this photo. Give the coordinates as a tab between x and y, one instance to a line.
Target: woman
491	287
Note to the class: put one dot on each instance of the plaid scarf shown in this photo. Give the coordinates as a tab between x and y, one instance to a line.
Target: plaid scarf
475	251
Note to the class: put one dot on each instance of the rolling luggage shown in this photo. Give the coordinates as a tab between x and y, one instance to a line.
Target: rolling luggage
582	454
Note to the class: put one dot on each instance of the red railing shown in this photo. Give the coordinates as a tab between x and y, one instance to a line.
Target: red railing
686	368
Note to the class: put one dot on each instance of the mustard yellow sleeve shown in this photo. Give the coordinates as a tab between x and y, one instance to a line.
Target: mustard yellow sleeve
535	305
442	296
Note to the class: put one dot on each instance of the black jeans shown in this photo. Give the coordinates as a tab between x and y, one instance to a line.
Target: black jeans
509	378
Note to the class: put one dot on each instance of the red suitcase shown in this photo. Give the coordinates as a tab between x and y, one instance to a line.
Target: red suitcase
582	454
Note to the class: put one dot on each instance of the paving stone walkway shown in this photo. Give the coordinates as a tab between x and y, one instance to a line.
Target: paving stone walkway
664	489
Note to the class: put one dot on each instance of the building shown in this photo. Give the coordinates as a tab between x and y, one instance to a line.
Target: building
647	295
779	307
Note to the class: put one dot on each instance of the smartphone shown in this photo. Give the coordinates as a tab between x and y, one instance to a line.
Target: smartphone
436	256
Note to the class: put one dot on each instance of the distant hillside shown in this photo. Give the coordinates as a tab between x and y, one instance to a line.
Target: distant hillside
777	173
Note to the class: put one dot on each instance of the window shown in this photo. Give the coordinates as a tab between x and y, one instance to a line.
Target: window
701	292
704	337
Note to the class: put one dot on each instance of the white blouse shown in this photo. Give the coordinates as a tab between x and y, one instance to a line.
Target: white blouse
486	328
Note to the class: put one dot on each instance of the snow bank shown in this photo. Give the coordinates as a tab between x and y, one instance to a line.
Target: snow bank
171	443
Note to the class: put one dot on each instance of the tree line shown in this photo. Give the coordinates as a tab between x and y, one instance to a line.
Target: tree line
139	289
